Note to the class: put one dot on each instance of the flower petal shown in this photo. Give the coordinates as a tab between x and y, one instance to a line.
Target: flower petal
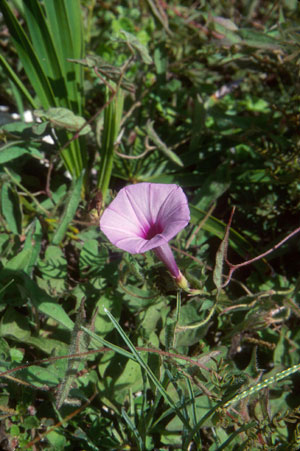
174	213
147	198
139	208
116	222
136	245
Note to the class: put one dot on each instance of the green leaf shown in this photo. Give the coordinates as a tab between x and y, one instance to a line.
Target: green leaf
92	258
69	212
131	378
113	73
226	23
57	440
258	39
27	257
133	42
33	243
16	127
47	305
11	152
54	264
48	345
212	187
53	268
102	324
39	129
16	355
39	376
14	325
29	290
11	209
138	298
64	118
160	61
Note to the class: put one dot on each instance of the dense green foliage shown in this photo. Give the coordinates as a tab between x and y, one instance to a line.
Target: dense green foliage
99	349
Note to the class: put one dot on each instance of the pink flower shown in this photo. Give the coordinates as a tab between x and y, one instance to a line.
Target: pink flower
147	216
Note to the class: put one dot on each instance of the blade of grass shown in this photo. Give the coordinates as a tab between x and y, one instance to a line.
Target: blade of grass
28	57
17	81
107	344
134	430
73	156
148	371
41	59
234	434
19	99
65	24
44	47
112	119
55	38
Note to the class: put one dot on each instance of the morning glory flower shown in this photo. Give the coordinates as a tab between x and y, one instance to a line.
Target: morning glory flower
145	217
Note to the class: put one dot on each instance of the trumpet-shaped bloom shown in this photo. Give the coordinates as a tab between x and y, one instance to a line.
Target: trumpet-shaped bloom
146	216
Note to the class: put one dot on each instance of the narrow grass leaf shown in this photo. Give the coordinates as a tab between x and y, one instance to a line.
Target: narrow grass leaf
11	75
149	372
28	57
234	434
66	28
44	47
107	344
112	119
7	285
65	24
134	430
